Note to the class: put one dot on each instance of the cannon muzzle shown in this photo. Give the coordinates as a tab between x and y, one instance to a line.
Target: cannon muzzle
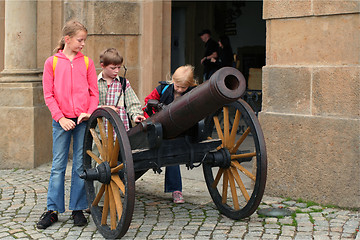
225	86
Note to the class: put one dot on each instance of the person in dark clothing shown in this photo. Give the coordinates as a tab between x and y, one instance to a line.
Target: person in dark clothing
226	58
211	51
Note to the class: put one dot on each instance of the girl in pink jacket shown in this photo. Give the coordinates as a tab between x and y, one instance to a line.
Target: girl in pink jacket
71	94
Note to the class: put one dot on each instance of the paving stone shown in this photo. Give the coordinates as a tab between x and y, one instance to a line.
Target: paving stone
4	234
285	238
321	228
237	234
288	233
272	231
304	229
289	203
254	234
322	237
251	238
268	236
272	225
286	221
316	207
347	235
271	220
301	205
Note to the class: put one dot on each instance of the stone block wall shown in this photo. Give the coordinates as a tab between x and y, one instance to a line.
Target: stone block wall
114	24
140	30
311	108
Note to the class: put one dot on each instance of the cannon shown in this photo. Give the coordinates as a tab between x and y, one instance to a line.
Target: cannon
209	126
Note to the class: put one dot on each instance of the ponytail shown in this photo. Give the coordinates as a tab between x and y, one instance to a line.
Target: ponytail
60	45
70	29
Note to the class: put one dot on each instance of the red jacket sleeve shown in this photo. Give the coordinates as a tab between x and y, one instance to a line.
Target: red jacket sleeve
153	95
48	88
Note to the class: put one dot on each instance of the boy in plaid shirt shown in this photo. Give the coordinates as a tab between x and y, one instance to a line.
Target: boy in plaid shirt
111	92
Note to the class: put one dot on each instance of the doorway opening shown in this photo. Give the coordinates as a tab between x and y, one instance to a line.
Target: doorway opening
241	21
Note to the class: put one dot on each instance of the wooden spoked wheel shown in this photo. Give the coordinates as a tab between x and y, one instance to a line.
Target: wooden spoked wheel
237	185
109	173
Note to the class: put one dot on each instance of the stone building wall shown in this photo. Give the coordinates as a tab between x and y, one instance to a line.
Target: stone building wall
311	108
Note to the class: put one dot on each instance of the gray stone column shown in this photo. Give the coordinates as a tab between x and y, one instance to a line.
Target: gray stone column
20	42
24	121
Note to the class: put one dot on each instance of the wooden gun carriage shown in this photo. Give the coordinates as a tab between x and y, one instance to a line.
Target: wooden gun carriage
209	126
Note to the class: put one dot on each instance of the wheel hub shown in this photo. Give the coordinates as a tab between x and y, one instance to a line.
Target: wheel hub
222	158
102	173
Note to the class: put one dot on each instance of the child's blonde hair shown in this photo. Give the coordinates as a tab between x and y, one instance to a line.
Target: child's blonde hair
70	29
184	75
111	56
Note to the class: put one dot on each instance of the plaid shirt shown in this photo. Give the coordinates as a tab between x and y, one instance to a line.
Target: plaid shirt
109	96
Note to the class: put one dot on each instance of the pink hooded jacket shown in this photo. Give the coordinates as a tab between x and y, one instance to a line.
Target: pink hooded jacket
74	89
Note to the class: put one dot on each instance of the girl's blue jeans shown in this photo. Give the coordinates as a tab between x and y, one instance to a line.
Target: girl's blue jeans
173	179
56	190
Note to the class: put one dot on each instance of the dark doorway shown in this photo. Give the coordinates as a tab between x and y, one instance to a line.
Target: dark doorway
241	21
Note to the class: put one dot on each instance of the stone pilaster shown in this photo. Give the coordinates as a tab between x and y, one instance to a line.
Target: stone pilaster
155	44
25	120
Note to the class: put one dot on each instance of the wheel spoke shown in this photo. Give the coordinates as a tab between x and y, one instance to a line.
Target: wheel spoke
240	183
99	195
117	168
244	155
97	142
110	144
118	182
225	186
117	198
234	127
112	209
115	153
103	137
217	178
96	158
243	170
233	191
218	128
106	206
226	126
239	142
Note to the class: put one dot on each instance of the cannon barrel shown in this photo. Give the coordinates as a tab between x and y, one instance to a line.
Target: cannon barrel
225	86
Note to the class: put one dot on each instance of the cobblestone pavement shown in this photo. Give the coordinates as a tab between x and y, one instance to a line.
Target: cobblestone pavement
23	199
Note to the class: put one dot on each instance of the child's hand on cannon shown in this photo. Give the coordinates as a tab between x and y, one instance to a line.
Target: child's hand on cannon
83	117
139	118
